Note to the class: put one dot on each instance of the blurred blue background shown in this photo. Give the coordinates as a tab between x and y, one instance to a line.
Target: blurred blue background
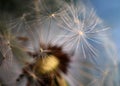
109	11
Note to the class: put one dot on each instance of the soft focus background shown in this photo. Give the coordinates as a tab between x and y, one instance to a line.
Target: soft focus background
109	11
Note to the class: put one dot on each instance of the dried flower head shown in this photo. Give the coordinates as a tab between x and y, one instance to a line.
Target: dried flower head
50	62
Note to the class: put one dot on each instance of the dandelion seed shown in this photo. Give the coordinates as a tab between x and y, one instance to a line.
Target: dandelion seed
82	31
5	38
48	10
46	18
10	47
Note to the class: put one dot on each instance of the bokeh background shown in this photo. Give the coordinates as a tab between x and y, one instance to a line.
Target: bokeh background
109	11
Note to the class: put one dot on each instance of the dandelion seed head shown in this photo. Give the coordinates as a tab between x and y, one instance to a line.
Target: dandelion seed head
51	54
64	33
82	32
47	64
50	62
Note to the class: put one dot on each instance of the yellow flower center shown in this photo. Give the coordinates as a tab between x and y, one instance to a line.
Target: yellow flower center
46	65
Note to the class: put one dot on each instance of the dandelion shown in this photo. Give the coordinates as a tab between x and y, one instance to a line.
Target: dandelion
50	62
58	44
85	34
46	19
5	48
11	55
83	31
48	9
10	47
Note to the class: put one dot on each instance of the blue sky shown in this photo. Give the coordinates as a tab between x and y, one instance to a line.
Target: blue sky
109	11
